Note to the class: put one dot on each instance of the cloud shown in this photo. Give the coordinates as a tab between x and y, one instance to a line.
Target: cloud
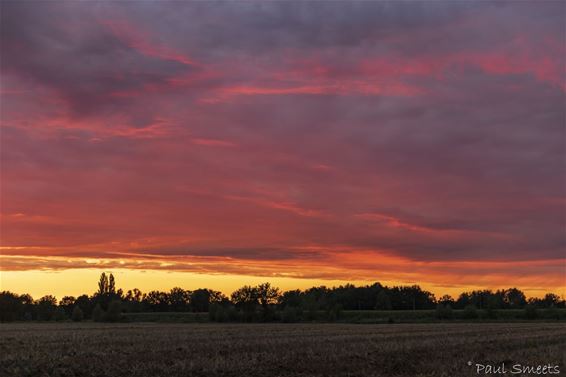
434	134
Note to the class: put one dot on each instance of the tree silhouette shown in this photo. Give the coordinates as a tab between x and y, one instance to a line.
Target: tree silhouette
114	313
46	307
77	314
514	298
246	298
382	301
179	299
10	306
267	295
67	303
111	285
102	285
98	313
108	303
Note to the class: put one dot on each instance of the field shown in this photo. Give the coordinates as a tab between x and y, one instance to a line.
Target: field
156	349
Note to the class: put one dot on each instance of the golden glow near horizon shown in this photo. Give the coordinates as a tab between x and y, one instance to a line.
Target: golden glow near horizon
74	282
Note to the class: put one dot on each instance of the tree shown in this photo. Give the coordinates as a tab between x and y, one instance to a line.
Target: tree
28	311
102	285
200	300
133	300
246	299
382	301
216	297
531	312
67	303
446	300
157	301
245	296
114	313
46	307
179	299
98	313
111	285
60	314
463	300
551	300
444	311
290	299
514	298
137	295
470	312
267	295
10	306
411	297
77	314
85	304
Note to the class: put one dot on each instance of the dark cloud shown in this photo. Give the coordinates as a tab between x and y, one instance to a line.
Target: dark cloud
66	48
430	131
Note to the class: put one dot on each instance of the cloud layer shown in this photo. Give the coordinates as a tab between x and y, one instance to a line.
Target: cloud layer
282	138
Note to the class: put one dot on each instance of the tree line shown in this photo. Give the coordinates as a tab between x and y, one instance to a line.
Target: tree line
263	302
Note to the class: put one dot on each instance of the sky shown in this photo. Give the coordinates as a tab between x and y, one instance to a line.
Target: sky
217	144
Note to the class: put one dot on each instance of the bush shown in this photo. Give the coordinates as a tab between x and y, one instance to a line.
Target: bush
77	314
233	314
491	313
310	310
212	309
249	315
98	314
9	306
444	311
114	313
531	312
46	308
334	313
470	312
217	313
60	314
221	315
552	313
290	314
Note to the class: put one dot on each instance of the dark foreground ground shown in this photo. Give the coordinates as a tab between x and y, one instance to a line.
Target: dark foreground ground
153	350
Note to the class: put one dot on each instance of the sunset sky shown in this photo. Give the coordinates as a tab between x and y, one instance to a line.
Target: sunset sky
203	144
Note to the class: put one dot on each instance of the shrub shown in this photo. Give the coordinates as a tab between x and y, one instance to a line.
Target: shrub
60	314
98	314
46	307
444	311
531	312
77	314
310	310
552	313
290	314
212	309
249	316
470	312
491	313
233	314
217	313
114	313
9	306
334	312
221	315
